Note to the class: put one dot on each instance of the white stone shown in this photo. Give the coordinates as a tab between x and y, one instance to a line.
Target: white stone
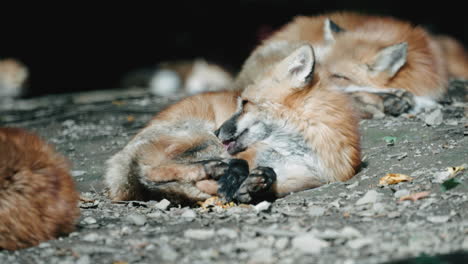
262	206
435	118
309	244
232	234
199	234
316	211
163	204
401	193
137	219
370	197
189	213
438	219
359	243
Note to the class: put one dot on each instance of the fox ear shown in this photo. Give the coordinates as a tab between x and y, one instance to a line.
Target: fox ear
330	28
298	67
390	59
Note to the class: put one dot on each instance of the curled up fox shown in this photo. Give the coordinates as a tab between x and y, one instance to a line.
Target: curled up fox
38	199
286	126
388	65
284	133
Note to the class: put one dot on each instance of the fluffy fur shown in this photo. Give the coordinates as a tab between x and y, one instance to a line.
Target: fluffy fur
165	158
38	200
13	77
362	50
288	120
311	129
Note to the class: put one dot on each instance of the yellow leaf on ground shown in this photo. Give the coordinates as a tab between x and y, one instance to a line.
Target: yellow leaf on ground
415	196
130	118
118	103
215	201
394	178
455	170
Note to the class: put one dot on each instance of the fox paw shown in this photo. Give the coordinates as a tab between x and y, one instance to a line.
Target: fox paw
230	182
256	185
215	169
397	102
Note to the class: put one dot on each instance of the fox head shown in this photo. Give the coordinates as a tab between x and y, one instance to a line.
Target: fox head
363	58
258	107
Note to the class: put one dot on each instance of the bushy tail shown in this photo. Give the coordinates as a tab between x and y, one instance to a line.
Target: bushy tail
38	199
121	176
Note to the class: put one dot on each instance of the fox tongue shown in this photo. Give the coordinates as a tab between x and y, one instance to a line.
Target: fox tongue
228	145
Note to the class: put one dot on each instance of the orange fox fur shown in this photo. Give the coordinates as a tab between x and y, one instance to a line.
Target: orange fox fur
179	155
349	54
38	200
431	59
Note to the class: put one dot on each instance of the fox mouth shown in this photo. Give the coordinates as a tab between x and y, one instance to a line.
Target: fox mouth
230	146
233	146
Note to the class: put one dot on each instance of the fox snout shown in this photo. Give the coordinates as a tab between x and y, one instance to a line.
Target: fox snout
227	134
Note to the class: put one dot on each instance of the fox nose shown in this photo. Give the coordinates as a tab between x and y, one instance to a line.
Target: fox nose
217	132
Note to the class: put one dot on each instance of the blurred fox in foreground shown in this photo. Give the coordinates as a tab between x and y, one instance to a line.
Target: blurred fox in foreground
38	200
387	64
284	133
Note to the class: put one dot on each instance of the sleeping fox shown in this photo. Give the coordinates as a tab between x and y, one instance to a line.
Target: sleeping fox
38	200
382	61
13	78
285	132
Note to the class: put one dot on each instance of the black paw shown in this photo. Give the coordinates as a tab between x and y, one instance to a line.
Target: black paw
215	169
398	102
235	175
257	185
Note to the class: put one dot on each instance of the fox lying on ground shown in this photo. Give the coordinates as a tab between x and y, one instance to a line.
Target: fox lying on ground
382	61
13	78
38	200
284	133
180	77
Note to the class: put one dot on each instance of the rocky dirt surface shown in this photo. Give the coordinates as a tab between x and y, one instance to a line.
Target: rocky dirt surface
358	221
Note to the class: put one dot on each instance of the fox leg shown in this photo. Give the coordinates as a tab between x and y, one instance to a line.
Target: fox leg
397	102
377	102
258	185
368	105
181	164
221	177
184	181
185	172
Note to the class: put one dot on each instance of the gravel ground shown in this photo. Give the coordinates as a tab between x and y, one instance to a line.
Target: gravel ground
358	221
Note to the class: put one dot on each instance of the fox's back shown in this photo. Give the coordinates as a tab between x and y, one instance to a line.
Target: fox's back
310	28
211	106
364	36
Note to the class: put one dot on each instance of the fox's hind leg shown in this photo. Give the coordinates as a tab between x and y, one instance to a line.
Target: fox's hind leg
397	102
185	172
368	105
377	103
196	166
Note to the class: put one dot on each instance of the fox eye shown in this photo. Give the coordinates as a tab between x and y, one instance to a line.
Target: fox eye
340	77
244	102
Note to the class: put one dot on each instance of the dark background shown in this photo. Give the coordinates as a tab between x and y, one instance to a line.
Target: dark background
70	47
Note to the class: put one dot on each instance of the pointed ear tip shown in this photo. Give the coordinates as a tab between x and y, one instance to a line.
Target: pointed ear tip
307	48
403	46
